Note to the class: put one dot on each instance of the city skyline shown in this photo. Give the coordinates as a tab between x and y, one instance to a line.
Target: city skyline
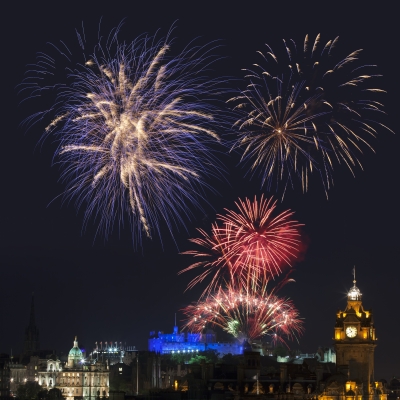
105	289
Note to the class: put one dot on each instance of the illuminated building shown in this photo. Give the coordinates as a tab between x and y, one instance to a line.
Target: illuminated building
355	342
77	378
113	353
82	379
175	342
17	376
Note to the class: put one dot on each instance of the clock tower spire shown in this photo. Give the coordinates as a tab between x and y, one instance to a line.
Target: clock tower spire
355	340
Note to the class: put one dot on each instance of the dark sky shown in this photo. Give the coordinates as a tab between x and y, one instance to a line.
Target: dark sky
105	290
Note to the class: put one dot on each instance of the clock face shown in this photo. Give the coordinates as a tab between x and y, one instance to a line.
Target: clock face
351	331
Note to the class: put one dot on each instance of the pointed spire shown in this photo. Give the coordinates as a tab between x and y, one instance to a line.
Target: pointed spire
32	315
31	332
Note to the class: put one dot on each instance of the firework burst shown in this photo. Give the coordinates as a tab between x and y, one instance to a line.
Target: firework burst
246	315
135	130
247	246
304	112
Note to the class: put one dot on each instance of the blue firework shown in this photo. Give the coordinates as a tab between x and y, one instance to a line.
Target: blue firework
136	129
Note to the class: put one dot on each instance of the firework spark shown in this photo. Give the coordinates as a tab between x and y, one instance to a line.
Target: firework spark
246	315
135	131
304	111
247	246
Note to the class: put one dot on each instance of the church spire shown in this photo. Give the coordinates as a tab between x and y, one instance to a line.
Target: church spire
31	344
32	315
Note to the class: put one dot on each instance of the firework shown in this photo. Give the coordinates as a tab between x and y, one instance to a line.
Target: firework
246	315
302	112
134	130
248	246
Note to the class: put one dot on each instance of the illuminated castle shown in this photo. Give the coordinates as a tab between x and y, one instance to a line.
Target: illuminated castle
175	342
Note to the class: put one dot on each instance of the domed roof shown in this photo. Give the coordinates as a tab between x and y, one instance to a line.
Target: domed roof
354	293
75	352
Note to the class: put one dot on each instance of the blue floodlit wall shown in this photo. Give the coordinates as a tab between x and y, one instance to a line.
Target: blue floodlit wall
166	343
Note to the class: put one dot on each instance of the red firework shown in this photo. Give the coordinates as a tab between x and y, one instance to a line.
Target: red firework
246	315
248	246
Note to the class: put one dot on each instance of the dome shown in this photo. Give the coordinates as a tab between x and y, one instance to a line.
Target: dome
354	293
75	352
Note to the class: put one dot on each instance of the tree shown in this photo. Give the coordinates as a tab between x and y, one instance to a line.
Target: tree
29	391
208	356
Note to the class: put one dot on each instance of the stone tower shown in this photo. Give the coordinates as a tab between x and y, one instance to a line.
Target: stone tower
355	340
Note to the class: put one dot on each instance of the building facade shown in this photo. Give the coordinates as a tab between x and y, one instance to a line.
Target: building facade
78	378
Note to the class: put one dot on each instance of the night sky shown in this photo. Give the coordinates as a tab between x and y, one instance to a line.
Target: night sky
106	290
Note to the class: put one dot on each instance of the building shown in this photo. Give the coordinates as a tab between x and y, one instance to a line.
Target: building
4	376
80	378
17	376
180	342
113	353
355	341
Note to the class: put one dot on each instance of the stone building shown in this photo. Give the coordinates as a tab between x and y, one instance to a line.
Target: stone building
78	378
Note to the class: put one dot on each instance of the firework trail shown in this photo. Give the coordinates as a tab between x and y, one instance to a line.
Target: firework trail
246	247
304	111
135	130
246	315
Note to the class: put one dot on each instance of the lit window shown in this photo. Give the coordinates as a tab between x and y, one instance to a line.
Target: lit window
120	369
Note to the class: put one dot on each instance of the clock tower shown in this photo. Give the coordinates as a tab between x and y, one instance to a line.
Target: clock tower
355	341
